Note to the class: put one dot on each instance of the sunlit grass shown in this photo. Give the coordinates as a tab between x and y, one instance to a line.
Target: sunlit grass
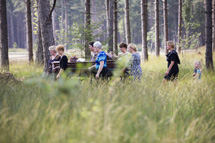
74	111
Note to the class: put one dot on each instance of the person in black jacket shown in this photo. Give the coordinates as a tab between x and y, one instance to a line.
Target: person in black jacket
63	61
173	61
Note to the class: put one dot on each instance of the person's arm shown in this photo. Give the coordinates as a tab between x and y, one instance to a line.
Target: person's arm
100	69
91	67
58	75
170	67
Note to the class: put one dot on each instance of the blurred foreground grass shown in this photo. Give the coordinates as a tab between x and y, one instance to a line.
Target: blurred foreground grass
40	110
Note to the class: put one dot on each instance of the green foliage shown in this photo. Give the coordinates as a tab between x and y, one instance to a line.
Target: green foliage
191	37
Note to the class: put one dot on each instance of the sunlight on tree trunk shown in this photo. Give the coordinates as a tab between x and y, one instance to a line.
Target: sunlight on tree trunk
29	31
179	24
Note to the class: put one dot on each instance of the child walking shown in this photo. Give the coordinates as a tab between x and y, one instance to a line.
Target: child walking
197	70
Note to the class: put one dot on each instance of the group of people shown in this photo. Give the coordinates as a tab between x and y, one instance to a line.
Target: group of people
132	67
130	58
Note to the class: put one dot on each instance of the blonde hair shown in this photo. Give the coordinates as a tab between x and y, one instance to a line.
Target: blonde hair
60	47
199	63
52	48
171	43
132	46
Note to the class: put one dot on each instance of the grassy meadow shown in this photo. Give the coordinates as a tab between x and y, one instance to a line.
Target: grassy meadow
40	110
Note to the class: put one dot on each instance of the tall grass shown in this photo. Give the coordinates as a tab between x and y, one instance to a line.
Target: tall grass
72	111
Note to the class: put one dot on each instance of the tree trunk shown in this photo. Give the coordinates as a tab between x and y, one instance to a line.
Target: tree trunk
157	42
39	52
213	25
208	33
4	60
66	23
127	22
54	23
88	29
107	16
29	31
46	29
11	23
110	30
165	18
115	27
151	14
179	24
144	29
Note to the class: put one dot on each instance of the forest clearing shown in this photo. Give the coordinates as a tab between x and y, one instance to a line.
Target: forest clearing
107	71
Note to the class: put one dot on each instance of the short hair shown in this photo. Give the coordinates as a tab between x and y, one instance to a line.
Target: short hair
123	45
97	44
171	43
91	43
133	46
52	48
60	47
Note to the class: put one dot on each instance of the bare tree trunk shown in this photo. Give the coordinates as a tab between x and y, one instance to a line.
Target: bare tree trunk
4	60
46	29
176	26
165	18
213	25
11	22
88	33
208	33
144	29
54	23
115	27
110	30
179	24
107	16
157	40
127	22
29	31
66	22
39	52
124	31
151	14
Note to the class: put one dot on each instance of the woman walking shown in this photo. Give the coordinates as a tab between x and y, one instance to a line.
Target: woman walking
173	61
135	67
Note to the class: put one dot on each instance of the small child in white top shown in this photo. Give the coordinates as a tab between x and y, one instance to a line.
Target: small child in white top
197	71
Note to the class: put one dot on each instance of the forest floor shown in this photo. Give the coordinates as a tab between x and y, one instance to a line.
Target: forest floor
70	110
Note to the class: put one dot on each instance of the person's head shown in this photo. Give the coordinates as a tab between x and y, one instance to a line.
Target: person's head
52	50
91	46
123	47
197	64
98	46
170	45
132	48
60	49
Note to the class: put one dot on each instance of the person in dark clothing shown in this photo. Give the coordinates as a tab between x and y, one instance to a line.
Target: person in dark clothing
53	58
63	61
173	61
